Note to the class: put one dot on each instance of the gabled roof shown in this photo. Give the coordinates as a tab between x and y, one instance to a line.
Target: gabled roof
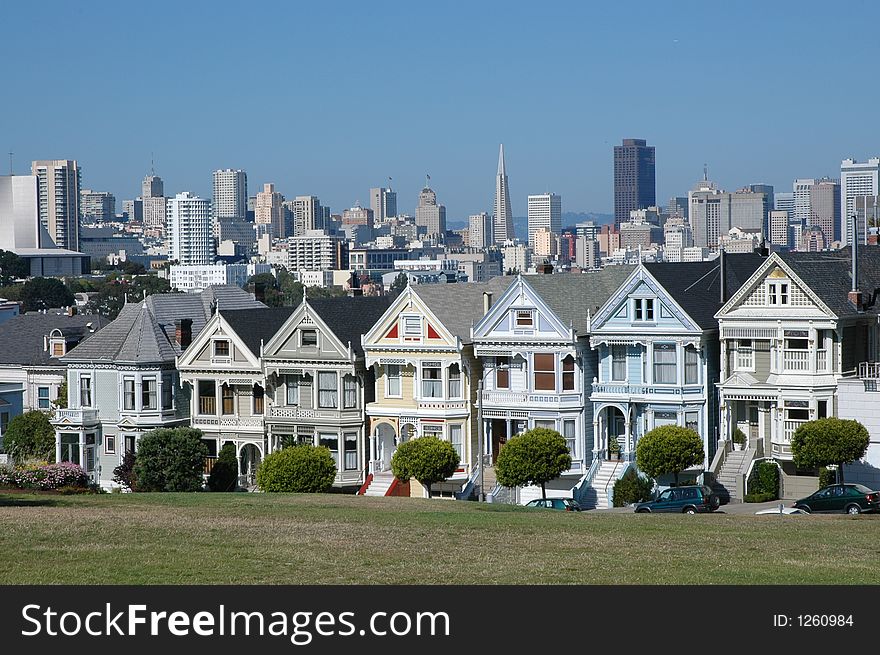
696	286
254	326
575	296
351	317
459	306
21	337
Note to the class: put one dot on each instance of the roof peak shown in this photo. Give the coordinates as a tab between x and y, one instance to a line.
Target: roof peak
502	169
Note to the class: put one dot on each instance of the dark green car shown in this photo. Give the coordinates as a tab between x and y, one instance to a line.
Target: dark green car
848	498
693	499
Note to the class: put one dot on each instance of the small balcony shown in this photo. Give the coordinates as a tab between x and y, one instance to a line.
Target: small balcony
869	370
546	399
207	405
80	416
230	421
796	361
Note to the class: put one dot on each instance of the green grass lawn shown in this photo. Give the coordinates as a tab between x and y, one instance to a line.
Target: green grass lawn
314	539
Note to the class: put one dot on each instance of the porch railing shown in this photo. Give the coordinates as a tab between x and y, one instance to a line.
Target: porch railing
788	428
796	360
207	405
209	464
869	370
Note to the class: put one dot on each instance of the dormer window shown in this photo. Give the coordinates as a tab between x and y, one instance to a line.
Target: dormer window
308	338
221	348
644	309
57	348
525	318
777	293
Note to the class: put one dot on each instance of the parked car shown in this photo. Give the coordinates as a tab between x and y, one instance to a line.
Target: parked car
781	510
848	498
566	504
691	499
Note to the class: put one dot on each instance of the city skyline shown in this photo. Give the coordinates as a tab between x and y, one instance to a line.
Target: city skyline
602	94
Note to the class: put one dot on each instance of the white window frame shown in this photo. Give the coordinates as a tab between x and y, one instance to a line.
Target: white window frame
408	326
91	389
302	334
126	394
744	356
291	383
349	385
154	395
696	364
110	444
664	347
335	390
41	398
779	293
217	355
525	314
643	310
572	446
611	350
436	383
458	445
398	378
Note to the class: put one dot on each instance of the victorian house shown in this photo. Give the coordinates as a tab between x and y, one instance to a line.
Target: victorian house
788	336
426	375
537	363
122	380
657	343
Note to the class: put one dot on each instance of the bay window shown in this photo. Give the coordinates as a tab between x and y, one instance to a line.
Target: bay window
502	372
432	383
349	392
148	393
454	381
455	438
691	365
85	391
227	397
545	372
618	362
664	363
568	373
328	390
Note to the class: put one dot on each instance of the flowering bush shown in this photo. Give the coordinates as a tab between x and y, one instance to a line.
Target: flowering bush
51	476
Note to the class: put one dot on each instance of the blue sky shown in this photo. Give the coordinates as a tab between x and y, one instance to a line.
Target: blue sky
331	98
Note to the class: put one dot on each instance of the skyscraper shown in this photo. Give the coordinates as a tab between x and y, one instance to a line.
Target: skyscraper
383	202
502	216
155	203
97	206
230	194
152	187
59	186
801	191
856	179
825	208
307	214
430	215
480	230
634	178
544	212
269	210
714	212
190	237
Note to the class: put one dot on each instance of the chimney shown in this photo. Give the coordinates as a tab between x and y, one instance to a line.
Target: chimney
855	295
487	301
183	332
722	276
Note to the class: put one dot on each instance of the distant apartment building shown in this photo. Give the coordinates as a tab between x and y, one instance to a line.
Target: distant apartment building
383	202
190	239
358	215
737	240
133	210
545	245
677	236
430	215
59	183
609	239
801	199
378	259
634	178
97	206
315	251
480	230
269	210
714	212
230	194
154	203
199	277
856	179
812	239
587	253
517	257
544	212
306	214
780	234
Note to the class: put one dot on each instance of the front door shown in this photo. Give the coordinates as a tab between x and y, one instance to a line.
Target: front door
499	436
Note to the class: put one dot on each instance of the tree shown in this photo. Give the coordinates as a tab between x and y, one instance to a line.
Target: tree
224	474
60	401
829	441
170	459
117	288
12	267
534	457
669	449
30	436
427	459
124	474
298	469
45	293
400	282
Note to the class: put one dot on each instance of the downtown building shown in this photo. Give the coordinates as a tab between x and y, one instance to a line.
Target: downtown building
383	202
97	206
269	210
856	179
634	178
544	212
190	237
503	214
59	200
430	215
230	194
714	212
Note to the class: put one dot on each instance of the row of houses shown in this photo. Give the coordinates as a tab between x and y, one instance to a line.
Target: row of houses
759	343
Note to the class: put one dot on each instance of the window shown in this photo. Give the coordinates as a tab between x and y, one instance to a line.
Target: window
568	426
392	381
70	448
412	326
308	338
128	394
351	456
797	414
547	424
777	293
292	387
349	392
691	365
259	397
618	362
664	363
796	344
692	421
57	349
454	381
525	318
432	384
644	309
227	400
431	431
568	373
502	372
167	391
545	372
822	409
130	443
85	391
328	390
43	397
109	444
455	438
90	453
331	442
148	393
745	355
221	348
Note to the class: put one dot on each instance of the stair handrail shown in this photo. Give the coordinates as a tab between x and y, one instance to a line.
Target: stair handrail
587	479
613	478
468	487
720	457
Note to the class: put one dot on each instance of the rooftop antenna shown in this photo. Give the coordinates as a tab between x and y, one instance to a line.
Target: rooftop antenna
427	180
705	172
152	165
389	183
10	163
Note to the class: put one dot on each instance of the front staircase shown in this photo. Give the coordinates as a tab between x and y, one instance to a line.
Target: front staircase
736	463
594	490
379	485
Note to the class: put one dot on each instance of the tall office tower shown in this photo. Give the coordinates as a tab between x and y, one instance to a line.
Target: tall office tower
269	210
769	202
383	202
20	225
546	243
153	196
545	211
357	215
714	212
230	194
190	237
678	206
867	213
784	202
825	208
856	179
59	185
133	210
634	178
780	234
502	216
97	206
588	229
307	214
801	191
152	187
430	215
480	230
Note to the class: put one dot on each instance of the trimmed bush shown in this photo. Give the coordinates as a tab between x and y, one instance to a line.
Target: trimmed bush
829	441
764	480
299	469
30	436
427	459
739	437
224	475
668	449
632	488
170	459
534	457
759	498
827	477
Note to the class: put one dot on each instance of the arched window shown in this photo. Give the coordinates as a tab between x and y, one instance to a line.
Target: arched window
568	373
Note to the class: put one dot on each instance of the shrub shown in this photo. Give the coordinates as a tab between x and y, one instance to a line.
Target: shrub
632	488
829	441
51	476
427	459
759	497
827	477
764	479
30	436
224	475
170	459
534	457
301	469
739	437
124	475
669	449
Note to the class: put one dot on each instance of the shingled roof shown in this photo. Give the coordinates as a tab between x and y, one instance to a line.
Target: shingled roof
696	286
459	306
255	326
351	317
22	337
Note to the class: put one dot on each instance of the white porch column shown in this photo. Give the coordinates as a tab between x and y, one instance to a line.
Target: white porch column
596	438
57	446
627	436
82	450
